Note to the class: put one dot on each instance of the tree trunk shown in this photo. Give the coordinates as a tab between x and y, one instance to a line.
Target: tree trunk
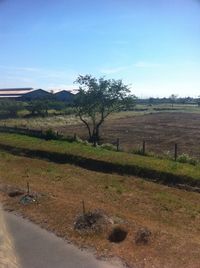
87	126
95	136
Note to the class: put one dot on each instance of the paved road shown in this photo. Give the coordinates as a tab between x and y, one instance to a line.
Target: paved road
32	247
8	257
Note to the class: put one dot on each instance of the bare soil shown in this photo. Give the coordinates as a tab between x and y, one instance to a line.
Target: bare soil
160	131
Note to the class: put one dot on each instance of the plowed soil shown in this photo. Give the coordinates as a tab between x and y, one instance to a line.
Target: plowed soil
160	131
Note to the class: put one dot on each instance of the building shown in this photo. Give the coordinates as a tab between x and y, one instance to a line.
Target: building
14	92
65	96
38	94
30	94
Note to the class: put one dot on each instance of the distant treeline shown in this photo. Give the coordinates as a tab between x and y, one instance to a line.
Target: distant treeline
173	99
13	108
45	106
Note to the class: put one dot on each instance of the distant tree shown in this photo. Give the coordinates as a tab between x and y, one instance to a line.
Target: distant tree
38	107
173	99
57	105
96	100
11	107
129	103
151	101
198	101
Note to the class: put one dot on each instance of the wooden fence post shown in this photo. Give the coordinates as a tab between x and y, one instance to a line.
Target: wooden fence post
144	147
83	204
28	188
117	144
175	151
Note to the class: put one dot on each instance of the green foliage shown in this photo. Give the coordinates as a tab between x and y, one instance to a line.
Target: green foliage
60	106
10	107
38	107
43	107
85	142
185	158
55	105
129	103
97	99
108	146
173	99
69	111
138	151
167	155
50	134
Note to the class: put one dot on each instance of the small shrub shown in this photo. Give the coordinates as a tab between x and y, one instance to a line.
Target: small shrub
142	236
50	134
140	152
85	142
69	111
185	158
78	139
137	151
108	146
90	222
167	155
69	138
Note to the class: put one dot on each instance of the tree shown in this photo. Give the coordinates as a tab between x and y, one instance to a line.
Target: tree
11	107
38	107
96	100
173	99
198	101
151	101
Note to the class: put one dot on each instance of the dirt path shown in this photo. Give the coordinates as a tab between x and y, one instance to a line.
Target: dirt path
38	248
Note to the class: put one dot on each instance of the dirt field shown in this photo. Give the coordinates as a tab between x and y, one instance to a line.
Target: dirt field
160	130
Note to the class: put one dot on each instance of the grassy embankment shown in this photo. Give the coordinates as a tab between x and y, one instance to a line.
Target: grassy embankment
98	159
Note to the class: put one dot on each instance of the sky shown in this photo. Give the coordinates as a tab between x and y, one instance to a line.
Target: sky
152	45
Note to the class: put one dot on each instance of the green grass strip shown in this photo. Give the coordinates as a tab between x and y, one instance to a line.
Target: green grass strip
150	167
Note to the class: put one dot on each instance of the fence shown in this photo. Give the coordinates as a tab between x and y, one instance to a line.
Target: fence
50	134
24	131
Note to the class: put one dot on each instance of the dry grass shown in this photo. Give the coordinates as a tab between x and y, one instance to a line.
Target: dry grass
172	215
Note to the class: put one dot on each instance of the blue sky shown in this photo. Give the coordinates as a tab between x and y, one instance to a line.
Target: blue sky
153	45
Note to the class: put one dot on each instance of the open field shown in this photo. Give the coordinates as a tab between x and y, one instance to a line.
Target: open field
172	215
161	130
